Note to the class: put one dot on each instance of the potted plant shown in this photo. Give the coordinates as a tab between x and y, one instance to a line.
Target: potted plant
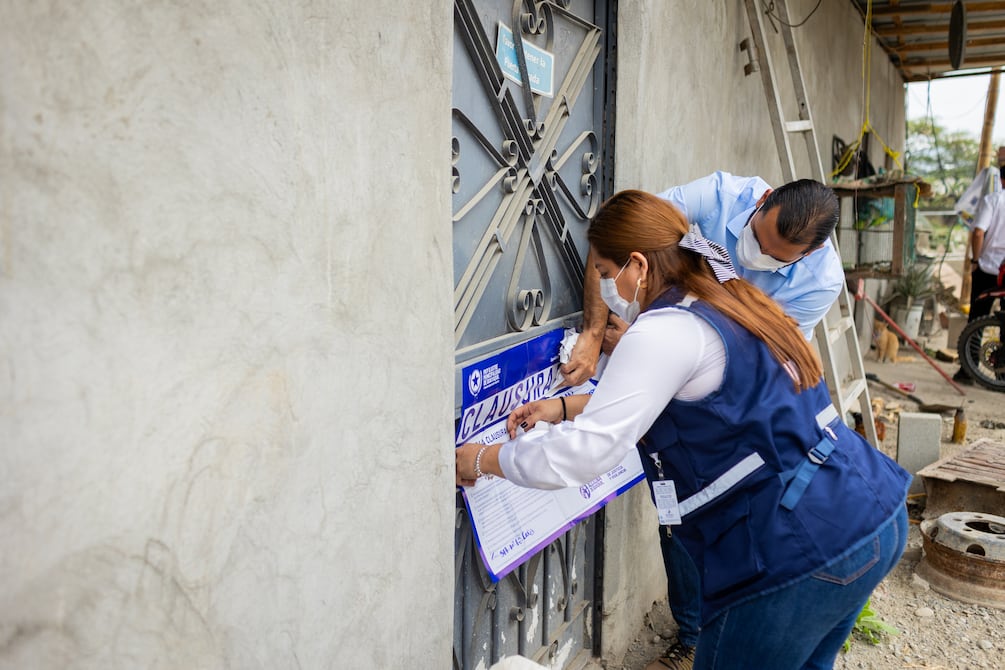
908	294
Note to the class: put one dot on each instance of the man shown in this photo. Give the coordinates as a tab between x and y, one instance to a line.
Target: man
778	241
987	246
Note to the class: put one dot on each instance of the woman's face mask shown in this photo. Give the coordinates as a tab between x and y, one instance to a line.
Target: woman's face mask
628	311
749	254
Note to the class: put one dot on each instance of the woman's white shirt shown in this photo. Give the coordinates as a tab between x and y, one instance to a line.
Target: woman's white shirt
665	353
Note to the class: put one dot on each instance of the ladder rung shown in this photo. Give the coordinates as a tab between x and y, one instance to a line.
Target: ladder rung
843	325
855	389
799	126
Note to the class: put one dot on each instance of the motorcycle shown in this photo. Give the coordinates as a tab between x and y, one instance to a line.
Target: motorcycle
982	354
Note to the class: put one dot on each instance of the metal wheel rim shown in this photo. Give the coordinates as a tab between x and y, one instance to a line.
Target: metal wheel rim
980	350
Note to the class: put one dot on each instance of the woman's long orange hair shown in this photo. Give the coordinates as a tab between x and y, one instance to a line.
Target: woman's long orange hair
638	221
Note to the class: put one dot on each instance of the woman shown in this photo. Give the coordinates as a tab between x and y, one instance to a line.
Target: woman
789	516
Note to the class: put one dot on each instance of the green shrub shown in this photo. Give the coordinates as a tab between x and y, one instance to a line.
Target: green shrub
869	627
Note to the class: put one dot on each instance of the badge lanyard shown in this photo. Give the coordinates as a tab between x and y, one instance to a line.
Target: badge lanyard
665	495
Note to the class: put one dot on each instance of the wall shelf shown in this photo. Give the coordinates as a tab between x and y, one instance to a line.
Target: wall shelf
876	231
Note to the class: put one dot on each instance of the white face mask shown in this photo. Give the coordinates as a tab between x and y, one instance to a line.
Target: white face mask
748	252
628	311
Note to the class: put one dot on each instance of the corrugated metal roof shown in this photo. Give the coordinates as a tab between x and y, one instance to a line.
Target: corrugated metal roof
916	35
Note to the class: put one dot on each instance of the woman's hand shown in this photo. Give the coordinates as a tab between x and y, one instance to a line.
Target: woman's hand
472	460
464	463
525	416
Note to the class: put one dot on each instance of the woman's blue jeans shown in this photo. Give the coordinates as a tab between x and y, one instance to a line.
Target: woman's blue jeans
683	587
683	578
803	625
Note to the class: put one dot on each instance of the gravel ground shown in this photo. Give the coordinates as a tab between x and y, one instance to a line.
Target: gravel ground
936	632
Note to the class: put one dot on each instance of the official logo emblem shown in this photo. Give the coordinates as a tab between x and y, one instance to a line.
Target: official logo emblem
475	382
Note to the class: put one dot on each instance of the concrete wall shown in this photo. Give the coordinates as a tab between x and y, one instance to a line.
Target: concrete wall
219	448
684	109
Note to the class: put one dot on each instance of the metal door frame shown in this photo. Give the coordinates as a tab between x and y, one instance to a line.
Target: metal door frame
529	600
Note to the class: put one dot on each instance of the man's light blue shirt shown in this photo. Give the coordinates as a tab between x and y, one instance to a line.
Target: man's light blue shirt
721	204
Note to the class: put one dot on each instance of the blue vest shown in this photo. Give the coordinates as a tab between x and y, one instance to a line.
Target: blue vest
772	483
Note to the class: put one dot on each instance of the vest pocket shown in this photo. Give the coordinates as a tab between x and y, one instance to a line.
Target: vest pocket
731	556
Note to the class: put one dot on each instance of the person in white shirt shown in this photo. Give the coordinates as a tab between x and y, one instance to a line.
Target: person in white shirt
779	241
987	245
789	516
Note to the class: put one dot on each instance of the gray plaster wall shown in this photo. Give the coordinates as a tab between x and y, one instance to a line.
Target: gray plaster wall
225	335
685	109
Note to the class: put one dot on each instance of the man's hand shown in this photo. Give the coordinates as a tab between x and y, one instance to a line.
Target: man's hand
616	327
583	359
582	363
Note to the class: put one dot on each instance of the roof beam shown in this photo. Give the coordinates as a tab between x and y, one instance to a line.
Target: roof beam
943	64
935	28
943	45
934	8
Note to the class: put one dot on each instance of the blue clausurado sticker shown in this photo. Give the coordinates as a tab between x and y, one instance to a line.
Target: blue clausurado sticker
511	523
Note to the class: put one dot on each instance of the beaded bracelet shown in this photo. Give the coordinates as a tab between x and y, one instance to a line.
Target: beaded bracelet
478	463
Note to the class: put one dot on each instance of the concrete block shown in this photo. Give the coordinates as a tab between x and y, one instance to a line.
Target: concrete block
918	439
517	663
957	322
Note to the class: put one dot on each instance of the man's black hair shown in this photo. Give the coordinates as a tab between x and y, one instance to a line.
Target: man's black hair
808	211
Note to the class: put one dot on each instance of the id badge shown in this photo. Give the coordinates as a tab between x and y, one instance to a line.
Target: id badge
665	494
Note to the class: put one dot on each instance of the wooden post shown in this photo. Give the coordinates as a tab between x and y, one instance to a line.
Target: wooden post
983	161
899	224
990	108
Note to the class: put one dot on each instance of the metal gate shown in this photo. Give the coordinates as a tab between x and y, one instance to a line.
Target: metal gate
532	129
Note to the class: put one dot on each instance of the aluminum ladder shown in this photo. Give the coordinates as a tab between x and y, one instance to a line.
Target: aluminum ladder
835	336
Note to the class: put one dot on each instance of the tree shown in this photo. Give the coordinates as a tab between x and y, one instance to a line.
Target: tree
946	159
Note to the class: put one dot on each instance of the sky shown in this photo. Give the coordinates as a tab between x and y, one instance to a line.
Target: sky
958	104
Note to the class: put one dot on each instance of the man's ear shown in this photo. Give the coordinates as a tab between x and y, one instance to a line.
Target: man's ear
816	248
764	196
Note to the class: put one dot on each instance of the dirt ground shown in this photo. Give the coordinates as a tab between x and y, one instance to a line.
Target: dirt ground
936	632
